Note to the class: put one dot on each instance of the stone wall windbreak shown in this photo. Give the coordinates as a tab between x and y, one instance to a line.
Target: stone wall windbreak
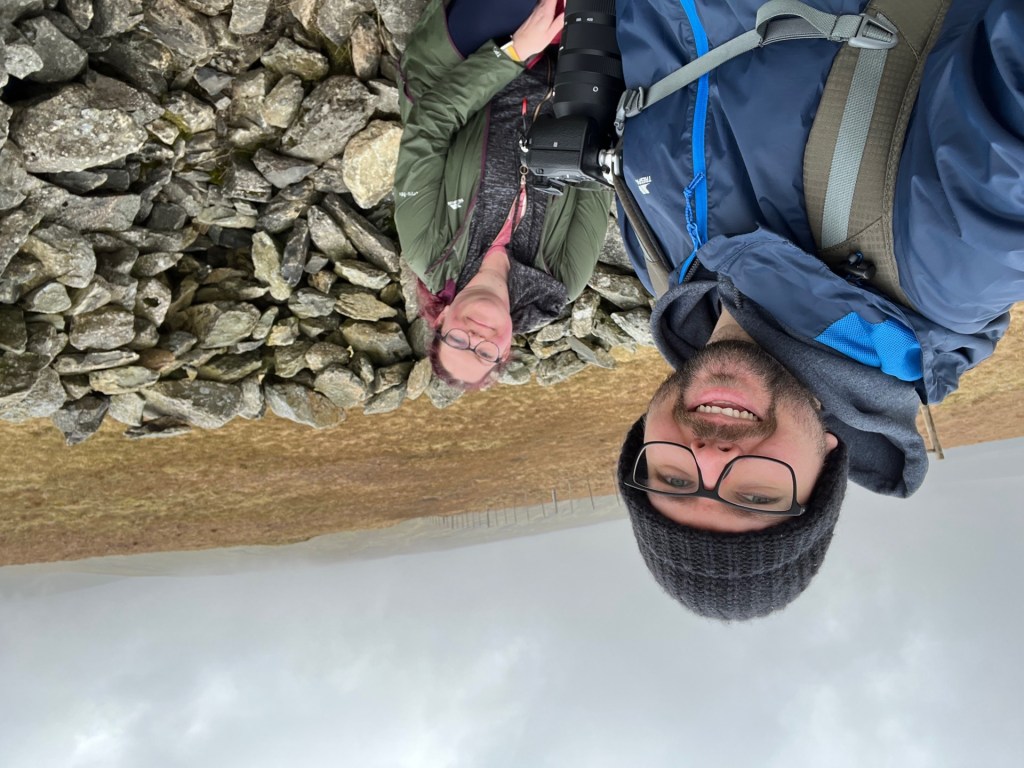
196	220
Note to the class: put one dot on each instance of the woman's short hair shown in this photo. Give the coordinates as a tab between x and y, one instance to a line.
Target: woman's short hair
431	305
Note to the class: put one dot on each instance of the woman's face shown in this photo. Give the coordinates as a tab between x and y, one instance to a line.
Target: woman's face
483	317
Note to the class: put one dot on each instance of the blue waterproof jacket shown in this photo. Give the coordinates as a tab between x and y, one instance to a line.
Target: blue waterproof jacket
724	158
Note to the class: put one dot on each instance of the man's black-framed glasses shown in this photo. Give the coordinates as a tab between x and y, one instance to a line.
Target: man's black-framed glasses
753	483
487	351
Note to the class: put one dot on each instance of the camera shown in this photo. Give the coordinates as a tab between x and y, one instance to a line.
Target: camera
573	147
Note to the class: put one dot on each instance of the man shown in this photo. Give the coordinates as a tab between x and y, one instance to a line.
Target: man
791	376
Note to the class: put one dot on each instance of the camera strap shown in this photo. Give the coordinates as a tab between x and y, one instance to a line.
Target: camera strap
777	21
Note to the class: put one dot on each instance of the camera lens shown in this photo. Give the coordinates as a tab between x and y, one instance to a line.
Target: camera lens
588	80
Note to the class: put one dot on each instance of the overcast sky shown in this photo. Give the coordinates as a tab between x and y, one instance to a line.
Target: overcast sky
551	650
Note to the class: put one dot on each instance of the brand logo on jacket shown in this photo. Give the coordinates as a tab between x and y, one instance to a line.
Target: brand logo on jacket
643	183
456	204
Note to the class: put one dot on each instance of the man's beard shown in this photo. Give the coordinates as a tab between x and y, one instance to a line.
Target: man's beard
783	388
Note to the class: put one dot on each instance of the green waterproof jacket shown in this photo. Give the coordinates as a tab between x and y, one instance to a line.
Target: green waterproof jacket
444	102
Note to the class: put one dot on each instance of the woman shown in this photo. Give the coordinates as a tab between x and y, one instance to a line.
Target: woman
494	256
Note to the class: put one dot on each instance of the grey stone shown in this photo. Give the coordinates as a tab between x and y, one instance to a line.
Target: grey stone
80	419
289	360
296	250
79	11
221	323
366	48
146	335
591	353
284	332
610	334
322	281
65	254
360	304
265	323
244	182
121	381
637	323
282	105
387	401
42	396
22	60
583	309
13	331
164	426
164	131
419	379
362	366
289	58
323	354
112	17
383	341
50	298
624	291
341	386
12	10
76	387
147	240
335	110
375	247
613	252
13	178
62	59
333	20
208	7
330	177
189	113
66	133
15	228
79	182
266	261
328	235
212	81
105	328
5	113
203	404
392	295
385	102
442	394
254	405
123	290
229	369
553	332
46	341
552	348
400	17
306	302
248	16
71	364
127	409
286	206
316	262
167	216
369	162
181	29
358	272
298	404
390	376
558	368
111	93
152	300
515	373
106	213
281	171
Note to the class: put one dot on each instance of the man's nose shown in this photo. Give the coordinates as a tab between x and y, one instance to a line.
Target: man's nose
712	456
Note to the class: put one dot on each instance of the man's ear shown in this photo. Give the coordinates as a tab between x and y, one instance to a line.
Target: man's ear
831	442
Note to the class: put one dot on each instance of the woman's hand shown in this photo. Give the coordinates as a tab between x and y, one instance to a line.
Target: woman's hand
537	32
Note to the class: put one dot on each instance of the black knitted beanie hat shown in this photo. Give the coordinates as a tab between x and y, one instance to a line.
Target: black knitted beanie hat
735	576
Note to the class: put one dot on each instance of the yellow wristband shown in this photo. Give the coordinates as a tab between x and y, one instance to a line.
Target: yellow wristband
510	51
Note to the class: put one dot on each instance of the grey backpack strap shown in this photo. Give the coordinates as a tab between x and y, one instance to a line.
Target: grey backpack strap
777	21
853	153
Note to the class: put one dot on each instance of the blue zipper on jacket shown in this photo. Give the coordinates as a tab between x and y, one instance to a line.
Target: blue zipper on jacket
697	190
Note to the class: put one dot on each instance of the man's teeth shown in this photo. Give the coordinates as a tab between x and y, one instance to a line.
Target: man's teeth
736	414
